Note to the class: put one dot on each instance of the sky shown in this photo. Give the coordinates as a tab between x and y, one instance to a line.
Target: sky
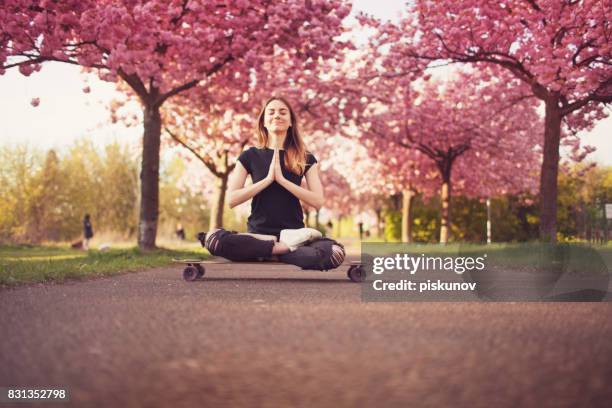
66	113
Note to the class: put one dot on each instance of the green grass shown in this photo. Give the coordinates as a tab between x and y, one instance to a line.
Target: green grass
30	264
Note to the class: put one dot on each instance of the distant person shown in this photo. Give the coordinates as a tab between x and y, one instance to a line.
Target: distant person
87	232
180	232
360	226
330	228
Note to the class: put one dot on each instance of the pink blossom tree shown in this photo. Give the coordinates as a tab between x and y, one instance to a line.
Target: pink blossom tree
215	137
164	48
391	169
560	49
484	122
352	180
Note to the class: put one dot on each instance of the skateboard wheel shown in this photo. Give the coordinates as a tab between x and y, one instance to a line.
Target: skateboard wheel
356	273
190	273
348	272
201	271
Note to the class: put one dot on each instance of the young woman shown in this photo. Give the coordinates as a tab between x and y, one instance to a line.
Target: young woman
276	227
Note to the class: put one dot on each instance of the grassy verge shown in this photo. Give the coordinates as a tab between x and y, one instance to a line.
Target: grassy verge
30	264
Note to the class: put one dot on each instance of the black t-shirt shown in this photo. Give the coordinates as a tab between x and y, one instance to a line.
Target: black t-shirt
274	208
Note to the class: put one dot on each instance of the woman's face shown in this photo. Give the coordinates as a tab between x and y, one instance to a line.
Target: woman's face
277	118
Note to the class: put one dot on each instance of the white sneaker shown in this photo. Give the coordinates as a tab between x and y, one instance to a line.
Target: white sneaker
294	238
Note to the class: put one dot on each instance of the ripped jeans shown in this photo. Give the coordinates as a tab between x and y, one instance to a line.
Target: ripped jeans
322	254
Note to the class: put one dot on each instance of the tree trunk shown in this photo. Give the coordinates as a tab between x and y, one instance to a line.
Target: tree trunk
396	202
589	228
407	200
149	178
445	196
317	219
379	231
581	220
489	221
445	167
216	212
604	223
550	170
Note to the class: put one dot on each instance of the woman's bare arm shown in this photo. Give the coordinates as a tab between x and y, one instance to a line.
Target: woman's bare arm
313	196
237	193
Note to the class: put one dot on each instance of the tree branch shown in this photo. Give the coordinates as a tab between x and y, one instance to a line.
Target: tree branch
135	82
194	82
206	159
592	97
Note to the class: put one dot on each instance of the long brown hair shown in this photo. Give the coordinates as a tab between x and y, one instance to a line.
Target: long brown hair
295	151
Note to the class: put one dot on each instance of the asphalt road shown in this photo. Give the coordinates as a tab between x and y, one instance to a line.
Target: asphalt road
277	336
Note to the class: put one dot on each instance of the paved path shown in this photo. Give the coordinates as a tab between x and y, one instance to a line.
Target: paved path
276	337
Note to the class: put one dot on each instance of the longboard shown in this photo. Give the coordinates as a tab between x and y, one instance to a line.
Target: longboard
195	269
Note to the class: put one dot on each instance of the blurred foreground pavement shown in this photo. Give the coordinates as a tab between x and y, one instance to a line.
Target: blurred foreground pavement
275	336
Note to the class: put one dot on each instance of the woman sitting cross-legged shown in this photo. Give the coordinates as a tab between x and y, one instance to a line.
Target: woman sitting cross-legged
276	227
